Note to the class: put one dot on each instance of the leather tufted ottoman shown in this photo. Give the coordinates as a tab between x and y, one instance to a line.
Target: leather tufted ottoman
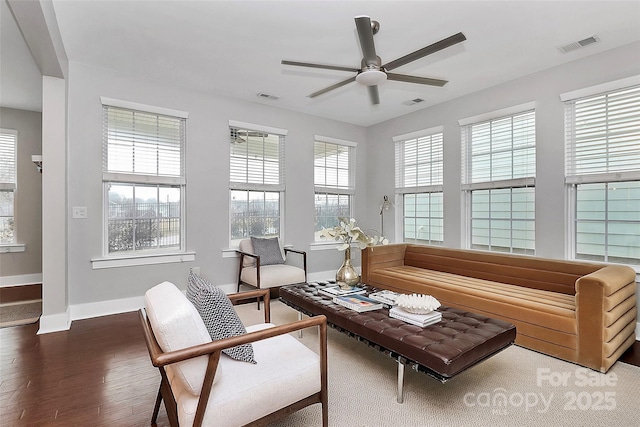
442	350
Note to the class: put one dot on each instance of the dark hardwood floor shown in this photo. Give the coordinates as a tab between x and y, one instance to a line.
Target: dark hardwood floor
97	373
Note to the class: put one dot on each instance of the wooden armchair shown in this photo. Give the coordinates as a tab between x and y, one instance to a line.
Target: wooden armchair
253	271
201	386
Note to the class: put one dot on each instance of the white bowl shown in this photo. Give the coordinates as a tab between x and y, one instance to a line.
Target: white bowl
417	303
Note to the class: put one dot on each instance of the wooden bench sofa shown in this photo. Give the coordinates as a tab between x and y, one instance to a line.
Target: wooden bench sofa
580	312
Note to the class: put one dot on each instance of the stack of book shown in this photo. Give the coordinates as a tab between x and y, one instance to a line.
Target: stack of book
336	291
421	320
358	303
386	297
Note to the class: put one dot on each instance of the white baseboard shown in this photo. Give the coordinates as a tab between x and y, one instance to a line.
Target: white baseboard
62	321
20	280
55	322
106	308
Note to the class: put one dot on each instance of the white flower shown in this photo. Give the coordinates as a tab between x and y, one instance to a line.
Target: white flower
349	233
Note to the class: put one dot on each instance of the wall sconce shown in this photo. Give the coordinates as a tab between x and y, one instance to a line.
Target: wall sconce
37	159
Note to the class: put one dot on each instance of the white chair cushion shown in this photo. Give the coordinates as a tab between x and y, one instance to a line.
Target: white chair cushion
286	372
176	325
273	275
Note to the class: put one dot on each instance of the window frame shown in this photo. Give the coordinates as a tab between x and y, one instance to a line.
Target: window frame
245	186
490	185
595	175
176	253
339	191
11	186
434	185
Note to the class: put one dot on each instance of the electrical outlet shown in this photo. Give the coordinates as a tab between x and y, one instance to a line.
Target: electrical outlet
79	212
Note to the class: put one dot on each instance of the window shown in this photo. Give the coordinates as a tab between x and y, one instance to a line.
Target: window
334	181
603	175
419	177
256	181
8	150
498	178
144	179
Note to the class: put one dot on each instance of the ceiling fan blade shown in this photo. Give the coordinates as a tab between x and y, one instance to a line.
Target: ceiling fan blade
332	87
433	48
416	79
365	33
325	67
374	95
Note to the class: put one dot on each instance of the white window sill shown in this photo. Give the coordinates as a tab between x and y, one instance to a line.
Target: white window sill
324	246
134	260
12	247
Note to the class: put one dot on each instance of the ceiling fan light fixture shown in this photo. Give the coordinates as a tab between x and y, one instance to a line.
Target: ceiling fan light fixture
371	77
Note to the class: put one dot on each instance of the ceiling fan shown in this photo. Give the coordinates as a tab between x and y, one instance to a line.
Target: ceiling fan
372	71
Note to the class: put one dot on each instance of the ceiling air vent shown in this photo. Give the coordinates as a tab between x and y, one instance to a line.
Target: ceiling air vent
413	101
267	96
577	45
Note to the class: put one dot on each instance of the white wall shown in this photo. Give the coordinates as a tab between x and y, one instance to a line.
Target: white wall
544	88
207	182
207	168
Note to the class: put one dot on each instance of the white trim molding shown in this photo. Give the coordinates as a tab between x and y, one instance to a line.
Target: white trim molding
130	105
418	134
55	322
259	128
130	261
605	87
509	111
21	280
336	141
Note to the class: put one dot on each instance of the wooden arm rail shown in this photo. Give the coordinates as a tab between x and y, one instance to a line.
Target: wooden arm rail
160	359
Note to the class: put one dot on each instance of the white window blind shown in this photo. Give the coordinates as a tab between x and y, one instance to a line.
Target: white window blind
498	175
419	164
257	160
8	155
334	181
333	167
419	168
603	137
144	180
501	150
602	171
8	184
256	181
145	144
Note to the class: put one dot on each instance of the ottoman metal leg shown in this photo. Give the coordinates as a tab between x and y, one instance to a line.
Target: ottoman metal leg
299	330
400	393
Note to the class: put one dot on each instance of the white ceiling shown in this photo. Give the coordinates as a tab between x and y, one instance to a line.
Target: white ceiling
234	48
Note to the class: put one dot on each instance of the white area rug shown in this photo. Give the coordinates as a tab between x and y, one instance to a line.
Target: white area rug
516	387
